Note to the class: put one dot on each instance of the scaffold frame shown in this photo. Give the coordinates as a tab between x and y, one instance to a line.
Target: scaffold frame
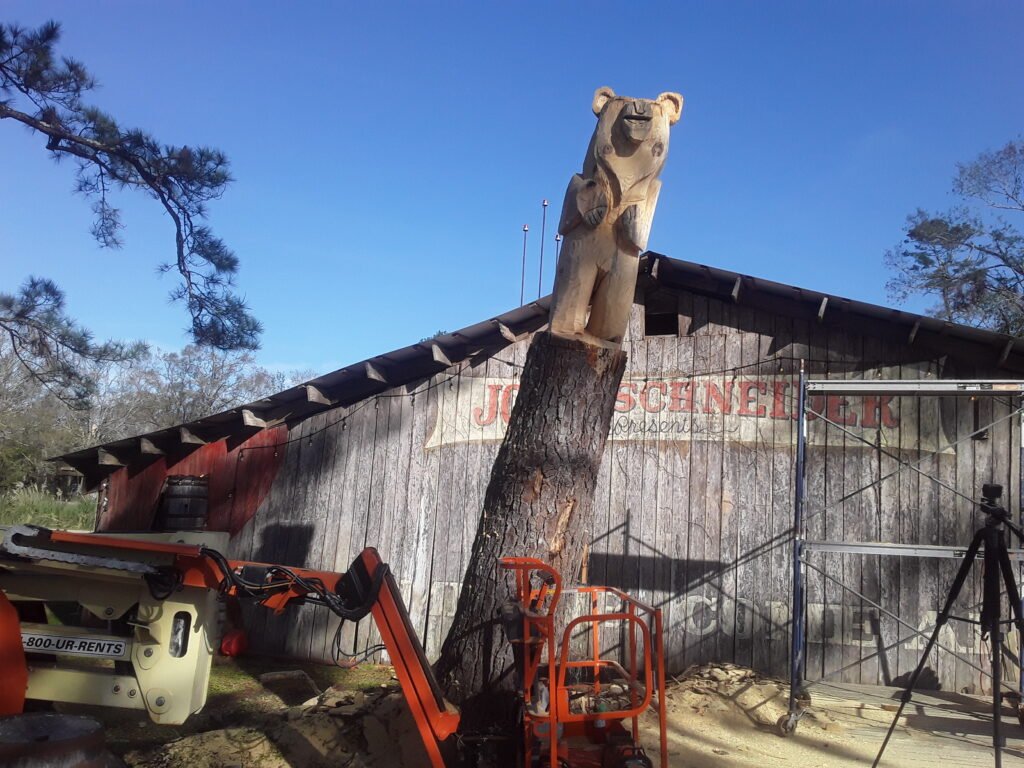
802	546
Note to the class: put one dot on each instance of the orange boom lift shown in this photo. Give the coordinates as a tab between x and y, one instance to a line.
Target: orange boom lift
160	589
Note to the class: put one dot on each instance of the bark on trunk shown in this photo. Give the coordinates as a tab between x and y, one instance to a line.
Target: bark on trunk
539	503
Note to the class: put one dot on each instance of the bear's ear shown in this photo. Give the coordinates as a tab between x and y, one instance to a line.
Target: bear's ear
602	96
672	103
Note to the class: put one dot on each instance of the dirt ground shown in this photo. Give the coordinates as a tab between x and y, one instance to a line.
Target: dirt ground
255	716
725	716
311	716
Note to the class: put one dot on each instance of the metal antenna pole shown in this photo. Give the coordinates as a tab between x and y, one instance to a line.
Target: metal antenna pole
522	280
558	252
543	225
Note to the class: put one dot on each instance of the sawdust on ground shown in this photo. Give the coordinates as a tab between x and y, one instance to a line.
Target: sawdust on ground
720	715
726	716
332	730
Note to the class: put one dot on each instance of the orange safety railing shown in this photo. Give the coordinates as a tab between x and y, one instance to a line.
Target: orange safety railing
644	677
538	606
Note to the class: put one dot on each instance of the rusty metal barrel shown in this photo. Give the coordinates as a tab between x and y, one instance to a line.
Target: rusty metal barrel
48	740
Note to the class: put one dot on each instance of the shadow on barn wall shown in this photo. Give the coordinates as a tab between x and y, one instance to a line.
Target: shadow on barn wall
280	544
284	544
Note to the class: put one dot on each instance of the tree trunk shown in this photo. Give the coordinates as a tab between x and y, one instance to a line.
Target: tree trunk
539	503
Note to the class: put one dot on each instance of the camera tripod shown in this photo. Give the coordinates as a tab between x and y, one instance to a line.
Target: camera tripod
997	573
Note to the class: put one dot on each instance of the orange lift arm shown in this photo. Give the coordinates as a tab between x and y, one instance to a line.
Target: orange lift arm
368	587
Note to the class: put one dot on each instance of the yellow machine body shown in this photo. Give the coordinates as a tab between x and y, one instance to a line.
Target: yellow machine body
123	648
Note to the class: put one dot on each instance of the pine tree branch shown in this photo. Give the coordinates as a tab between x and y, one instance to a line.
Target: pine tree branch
181	179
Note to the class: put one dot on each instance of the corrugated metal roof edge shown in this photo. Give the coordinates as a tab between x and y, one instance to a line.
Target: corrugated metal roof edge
419	361
961	342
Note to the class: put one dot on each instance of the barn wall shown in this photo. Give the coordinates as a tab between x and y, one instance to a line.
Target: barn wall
694	500
240	471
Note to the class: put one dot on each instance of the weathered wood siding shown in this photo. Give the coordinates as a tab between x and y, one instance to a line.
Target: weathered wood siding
694	502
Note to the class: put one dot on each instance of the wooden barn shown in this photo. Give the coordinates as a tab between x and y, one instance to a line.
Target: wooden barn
695	500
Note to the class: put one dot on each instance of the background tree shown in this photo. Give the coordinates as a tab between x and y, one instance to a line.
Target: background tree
29	424
44	92
180	386
153	391
50	347
971	257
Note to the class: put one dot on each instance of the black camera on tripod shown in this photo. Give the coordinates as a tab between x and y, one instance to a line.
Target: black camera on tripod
989	543
991	493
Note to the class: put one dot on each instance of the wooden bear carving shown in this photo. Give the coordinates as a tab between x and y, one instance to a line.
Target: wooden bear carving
607	214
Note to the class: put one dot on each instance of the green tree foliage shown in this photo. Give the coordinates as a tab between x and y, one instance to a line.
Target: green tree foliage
44	92
971	258
31	425
50	346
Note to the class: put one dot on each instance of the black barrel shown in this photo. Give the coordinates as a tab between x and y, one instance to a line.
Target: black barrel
183	504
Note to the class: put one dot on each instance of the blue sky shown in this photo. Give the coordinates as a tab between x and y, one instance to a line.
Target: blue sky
386	157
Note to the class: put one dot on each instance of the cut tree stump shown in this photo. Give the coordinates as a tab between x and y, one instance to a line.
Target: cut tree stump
539	503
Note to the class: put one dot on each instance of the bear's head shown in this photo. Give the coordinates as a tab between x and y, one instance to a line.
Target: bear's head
637	119
631	138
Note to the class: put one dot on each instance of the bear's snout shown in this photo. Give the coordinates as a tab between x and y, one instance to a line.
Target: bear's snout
636	120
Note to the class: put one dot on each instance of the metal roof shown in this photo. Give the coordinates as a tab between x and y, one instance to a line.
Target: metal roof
976	346
410	366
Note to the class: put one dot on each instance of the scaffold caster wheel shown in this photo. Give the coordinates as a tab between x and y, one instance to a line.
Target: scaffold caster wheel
786	725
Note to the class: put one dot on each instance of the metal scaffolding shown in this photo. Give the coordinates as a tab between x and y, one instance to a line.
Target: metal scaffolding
802	547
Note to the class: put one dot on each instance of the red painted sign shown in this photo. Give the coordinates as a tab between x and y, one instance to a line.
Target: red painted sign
743	409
